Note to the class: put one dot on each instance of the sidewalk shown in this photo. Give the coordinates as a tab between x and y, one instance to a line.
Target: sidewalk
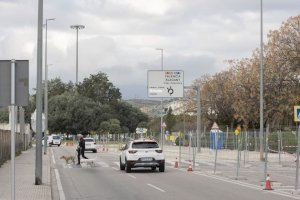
25	188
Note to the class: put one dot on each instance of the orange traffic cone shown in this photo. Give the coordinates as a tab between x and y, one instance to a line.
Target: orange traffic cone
268	183
176	163
190	169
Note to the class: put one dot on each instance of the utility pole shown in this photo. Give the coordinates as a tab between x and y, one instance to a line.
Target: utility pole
39	106
161	102
261	88
77	27
198	90
46	87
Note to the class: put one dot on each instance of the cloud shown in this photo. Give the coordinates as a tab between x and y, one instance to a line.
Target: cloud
121	35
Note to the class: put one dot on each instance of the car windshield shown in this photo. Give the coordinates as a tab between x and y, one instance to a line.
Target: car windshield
144	145
89	140
56	137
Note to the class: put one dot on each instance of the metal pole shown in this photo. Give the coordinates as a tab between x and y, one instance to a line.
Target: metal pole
22	127
226	142
39	107
255	141
13	129
216	150
198	119
261	88
266	152
46	109
77	56
46	88
297	164
190	141
238	157
279	146
161	103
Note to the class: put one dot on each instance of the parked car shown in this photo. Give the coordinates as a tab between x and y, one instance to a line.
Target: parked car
90	145
54	140
142	153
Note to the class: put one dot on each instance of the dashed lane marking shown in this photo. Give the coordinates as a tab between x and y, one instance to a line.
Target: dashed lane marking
155	187
131	176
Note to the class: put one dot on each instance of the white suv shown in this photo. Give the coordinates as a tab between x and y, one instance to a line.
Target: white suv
142	153
90	145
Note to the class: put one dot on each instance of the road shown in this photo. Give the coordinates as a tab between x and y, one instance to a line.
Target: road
106	181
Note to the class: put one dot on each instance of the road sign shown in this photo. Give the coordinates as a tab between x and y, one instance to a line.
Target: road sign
165	83
297	113
21	82
141	130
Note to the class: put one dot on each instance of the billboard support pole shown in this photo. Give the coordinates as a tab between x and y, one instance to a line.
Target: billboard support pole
13	128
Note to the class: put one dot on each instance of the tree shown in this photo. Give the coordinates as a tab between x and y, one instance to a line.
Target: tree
104	127
99	88
170	120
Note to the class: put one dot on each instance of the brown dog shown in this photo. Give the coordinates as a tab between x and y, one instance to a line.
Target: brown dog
68	159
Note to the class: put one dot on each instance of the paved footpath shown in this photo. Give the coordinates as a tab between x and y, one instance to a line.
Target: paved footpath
25	188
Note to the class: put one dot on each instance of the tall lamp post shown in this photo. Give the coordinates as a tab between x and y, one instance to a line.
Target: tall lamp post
46	87
261	88
161	102
39	97
77	27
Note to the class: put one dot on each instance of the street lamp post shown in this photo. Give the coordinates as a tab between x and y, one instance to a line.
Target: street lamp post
77	27
261	88
46	87
161	102
39	106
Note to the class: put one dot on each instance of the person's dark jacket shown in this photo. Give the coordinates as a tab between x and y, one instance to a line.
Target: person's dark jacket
82	144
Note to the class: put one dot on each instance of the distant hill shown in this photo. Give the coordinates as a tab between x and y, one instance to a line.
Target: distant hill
152	107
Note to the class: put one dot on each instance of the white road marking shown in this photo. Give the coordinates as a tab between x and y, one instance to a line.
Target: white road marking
115	168
59	186
157	188
131	176
255	187
52	155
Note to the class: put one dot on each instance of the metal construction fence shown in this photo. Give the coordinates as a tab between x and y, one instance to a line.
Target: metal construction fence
22	143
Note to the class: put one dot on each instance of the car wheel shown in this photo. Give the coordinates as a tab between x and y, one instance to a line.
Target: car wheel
127	167
162	167
153	168
58	145
122	167
95	151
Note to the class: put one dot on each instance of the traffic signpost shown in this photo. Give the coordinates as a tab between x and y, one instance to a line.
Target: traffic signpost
237	132
165	83
297	119
141	131
13	92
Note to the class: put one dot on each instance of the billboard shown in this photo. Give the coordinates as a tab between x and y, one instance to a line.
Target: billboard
165	83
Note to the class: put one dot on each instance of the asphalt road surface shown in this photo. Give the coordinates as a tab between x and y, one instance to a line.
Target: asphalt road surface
106	182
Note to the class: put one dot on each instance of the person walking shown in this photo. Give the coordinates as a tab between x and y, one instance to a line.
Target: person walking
80	149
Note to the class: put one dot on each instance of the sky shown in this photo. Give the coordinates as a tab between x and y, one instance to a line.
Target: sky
121	36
